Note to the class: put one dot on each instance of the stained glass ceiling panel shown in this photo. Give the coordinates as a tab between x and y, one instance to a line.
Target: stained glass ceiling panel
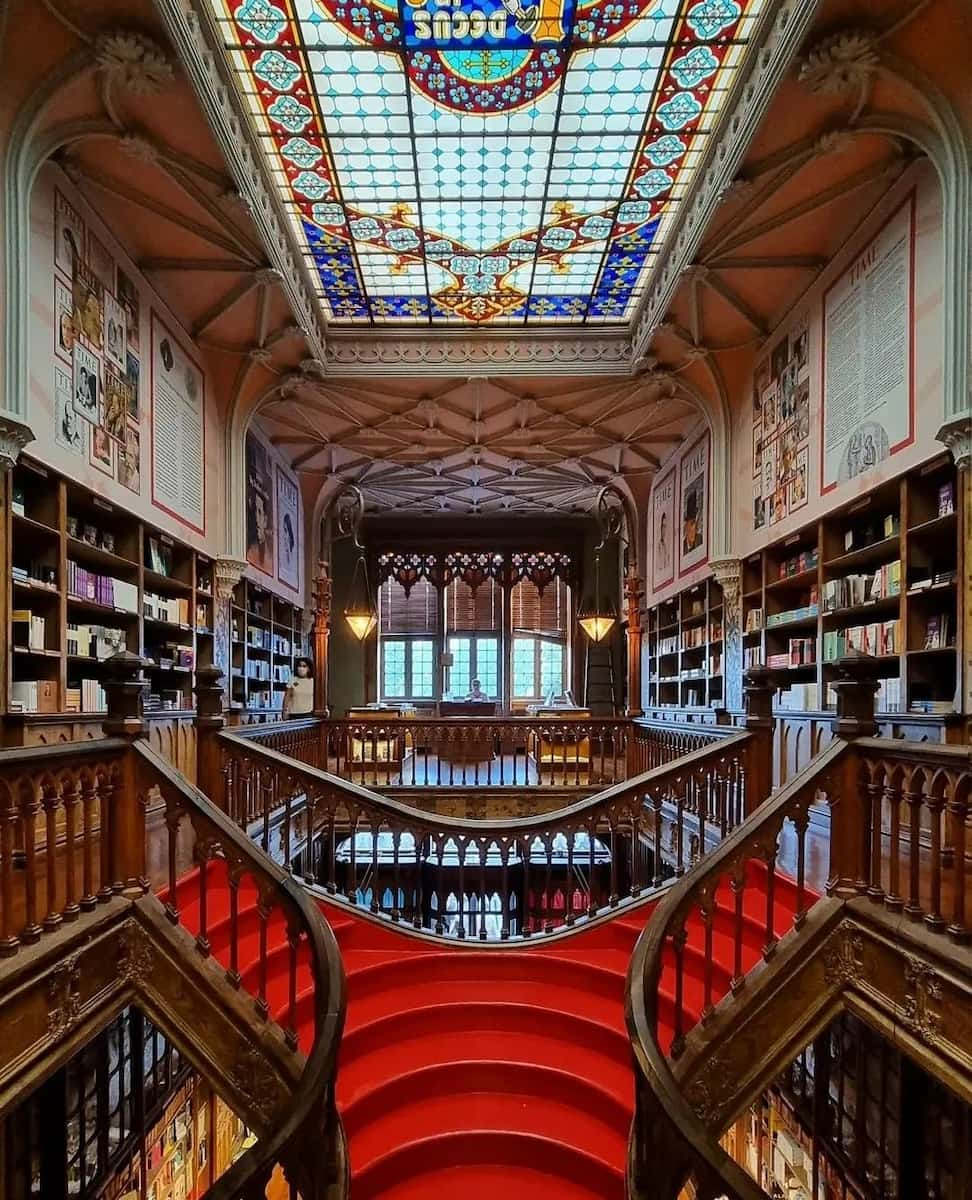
483	162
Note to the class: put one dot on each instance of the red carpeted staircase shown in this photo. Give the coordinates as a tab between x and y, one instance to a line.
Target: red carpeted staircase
486	1072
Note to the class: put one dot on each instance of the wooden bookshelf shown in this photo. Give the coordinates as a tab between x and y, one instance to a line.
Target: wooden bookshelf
880	574
266	641
100	580
685	649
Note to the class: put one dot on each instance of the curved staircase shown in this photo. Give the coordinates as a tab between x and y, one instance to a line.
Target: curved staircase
475	1070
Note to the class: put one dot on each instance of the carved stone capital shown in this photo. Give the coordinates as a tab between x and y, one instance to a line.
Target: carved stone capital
138	147
841	64
836	141
267	276
728	575
260	355
957	436
14	436
134	61
229	572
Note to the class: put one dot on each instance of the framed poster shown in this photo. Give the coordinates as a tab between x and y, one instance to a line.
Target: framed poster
178	426
101	262
102	450
663	531
63	321
288	530
68	235
69	430
130	459
86	383
115	332
867	411
259	505
693	506
117	405
88	317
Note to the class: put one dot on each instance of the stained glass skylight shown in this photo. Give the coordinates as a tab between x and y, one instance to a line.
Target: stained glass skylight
483	162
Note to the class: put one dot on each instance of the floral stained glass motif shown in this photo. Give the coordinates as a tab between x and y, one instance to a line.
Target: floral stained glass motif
484	162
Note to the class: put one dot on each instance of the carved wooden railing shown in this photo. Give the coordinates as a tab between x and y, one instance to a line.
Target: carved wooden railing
110	825
421	752
523	876
899	840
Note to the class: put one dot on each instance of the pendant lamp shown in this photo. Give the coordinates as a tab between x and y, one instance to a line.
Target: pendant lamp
360	612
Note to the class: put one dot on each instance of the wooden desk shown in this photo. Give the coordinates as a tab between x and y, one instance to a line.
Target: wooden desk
382	751
561	753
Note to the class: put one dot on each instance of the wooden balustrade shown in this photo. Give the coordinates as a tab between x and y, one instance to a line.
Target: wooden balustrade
568	752
73	836
487	879
899	820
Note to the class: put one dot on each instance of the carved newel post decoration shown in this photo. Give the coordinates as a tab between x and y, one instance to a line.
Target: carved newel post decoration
209	721
633	593
125	836
322	634
856	686
759	690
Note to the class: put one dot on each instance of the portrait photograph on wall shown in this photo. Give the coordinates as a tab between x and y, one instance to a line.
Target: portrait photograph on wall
259	505
693	507
662	534
288	530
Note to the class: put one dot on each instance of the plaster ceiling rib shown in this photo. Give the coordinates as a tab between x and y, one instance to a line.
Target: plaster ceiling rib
121	191
769	262
812	204
224	304
196	194
149	266
735	301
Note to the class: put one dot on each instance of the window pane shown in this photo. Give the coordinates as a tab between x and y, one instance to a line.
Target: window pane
460	673
487	664
551	668
524	657
422	681
393	668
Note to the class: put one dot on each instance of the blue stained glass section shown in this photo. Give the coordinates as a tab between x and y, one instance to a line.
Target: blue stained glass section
487	24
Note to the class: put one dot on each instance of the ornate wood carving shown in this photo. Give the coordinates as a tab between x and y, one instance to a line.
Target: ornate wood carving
64	997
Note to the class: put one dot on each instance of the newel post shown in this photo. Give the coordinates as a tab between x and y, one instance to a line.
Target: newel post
322	635
758	692
209	721
124	687
856	686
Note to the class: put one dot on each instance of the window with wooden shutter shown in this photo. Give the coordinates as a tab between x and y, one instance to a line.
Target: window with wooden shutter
408	627
541	621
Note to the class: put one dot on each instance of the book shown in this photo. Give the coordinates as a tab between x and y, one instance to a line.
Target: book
946	500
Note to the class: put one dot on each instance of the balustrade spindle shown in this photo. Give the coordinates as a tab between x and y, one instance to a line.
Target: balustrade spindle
172	822
89	796
737	884
202	937
233	973
893	901
656	805
440	895
958	812
523	848
770	932
260	1003
505	893
293	943
330	882
32	930
351	888
9	940
569	910
801	824
679	938
71	798
374	906
913	798
418	919
396	913
679	833
707	911
875	793
50	791
933	918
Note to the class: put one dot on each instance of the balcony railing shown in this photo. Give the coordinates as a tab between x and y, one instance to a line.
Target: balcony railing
422	753
899	840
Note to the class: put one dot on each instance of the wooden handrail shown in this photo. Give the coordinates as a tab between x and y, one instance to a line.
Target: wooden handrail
573	862
893	804
312	1118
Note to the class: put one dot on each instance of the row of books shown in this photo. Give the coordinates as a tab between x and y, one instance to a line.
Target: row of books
879	638
806	560
752	656
174	609
282	674
258	637
171	654
799	697
668	645
802	652
935	580
715	664
29	630
810	609
938	632
852	590
694	637
754	620
258	670
33	696
162	701
95	641
88	697
101	589
281	645
932	707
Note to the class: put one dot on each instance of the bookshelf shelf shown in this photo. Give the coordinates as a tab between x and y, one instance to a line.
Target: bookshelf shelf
684	646
86	579
905	532
260	671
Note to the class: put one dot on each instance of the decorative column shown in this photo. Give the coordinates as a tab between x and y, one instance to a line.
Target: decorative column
15	434
728	575
633	593
124	687
227	573
322	635
209	721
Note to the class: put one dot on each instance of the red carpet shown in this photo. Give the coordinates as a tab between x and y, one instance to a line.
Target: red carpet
474	1073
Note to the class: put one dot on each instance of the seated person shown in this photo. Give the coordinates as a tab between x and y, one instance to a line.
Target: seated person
476	692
